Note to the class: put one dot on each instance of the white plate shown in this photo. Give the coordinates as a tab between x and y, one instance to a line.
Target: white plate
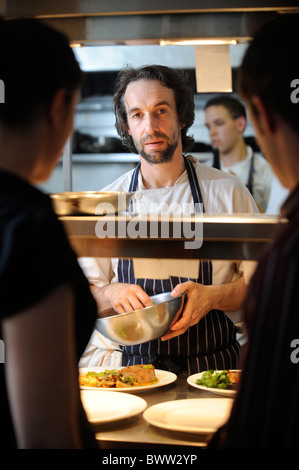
196	415
218	391
164	378
107	407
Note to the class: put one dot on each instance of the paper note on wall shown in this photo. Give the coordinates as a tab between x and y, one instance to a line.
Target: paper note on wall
213	69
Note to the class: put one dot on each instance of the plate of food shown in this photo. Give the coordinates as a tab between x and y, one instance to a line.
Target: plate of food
136	378
221	382
109	407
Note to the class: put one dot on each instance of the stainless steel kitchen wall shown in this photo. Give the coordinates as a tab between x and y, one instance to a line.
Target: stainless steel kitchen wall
140	22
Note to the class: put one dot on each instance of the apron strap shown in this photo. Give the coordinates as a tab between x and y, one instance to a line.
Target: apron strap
250	176
216	159
194	184
134	179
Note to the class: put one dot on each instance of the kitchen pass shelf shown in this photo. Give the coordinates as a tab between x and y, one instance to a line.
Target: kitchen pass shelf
226	237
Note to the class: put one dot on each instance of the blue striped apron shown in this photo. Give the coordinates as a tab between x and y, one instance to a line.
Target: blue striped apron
210	344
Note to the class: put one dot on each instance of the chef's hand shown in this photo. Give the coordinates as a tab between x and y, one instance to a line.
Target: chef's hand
202	299
197	306
127	297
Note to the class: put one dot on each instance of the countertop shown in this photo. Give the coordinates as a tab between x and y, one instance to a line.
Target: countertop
136	433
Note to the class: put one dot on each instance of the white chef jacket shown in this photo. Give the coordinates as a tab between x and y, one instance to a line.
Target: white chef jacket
278	195
262	176
221	192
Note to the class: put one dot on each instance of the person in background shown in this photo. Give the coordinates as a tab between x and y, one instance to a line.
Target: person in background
154	109
265	412
47	312
225	119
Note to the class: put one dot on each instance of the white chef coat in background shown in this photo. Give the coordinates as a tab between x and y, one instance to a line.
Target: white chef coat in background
262	176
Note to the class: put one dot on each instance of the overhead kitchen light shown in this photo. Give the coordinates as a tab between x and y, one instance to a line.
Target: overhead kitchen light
76	44
198	42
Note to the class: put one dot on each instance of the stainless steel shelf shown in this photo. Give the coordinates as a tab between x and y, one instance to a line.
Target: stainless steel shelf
105	158
238	237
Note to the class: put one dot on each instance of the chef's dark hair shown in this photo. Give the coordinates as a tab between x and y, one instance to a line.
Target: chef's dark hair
233	105
177	81
269	67
35	62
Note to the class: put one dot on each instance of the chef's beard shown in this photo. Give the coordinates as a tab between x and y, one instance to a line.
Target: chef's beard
161	156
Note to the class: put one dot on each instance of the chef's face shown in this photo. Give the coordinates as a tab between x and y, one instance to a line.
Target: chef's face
224	129
152	120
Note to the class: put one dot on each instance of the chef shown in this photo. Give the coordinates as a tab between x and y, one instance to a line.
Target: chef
154	109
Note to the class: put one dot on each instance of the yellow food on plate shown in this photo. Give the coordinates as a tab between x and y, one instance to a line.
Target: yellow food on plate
129	376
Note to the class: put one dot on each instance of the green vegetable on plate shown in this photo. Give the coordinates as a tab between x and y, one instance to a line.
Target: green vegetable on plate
215	379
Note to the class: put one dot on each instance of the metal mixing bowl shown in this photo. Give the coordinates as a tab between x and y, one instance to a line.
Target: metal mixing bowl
90	202
146	324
